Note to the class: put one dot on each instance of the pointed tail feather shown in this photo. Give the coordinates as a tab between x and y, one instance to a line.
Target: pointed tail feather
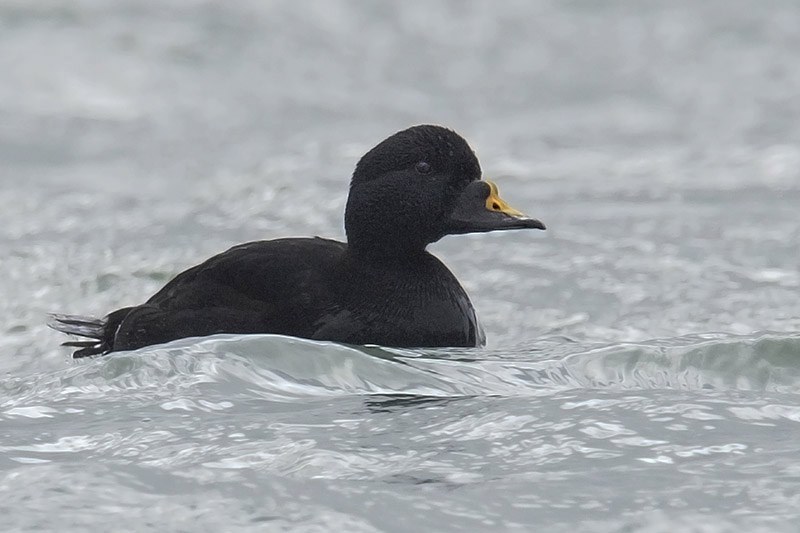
77	325
101	332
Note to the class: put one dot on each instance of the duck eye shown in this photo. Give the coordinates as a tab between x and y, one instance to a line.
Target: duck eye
422	167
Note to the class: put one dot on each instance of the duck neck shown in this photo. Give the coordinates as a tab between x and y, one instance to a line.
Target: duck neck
375	237
386	250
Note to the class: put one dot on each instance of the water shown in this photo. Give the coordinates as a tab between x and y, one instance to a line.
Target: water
643	365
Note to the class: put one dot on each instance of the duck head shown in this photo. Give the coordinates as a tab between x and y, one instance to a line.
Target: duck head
419	185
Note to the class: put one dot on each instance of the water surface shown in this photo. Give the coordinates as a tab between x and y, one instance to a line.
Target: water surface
643	365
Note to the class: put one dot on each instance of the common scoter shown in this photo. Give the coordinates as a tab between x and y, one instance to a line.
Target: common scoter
380	287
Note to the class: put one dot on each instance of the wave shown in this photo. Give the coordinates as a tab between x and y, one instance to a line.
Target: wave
205	373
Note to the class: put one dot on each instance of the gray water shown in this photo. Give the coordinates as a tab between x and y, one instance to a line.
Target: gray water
642	371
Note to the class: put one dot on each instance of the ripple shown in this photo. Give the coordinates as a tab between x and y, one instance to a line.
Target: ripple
213	373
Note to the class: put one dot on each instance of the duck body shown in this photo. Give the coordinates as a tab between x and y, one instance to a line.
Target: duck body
311	288
380	287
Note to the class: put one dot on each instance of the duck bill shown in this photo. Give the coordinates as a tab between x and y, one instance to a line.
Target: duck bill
480	209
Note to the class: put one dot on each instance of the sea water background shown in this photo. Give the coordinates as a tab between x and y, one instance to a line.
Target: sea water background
643	365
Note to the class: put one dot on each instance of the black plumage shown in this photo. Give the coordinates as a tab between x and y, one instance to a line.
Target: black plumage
381	287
